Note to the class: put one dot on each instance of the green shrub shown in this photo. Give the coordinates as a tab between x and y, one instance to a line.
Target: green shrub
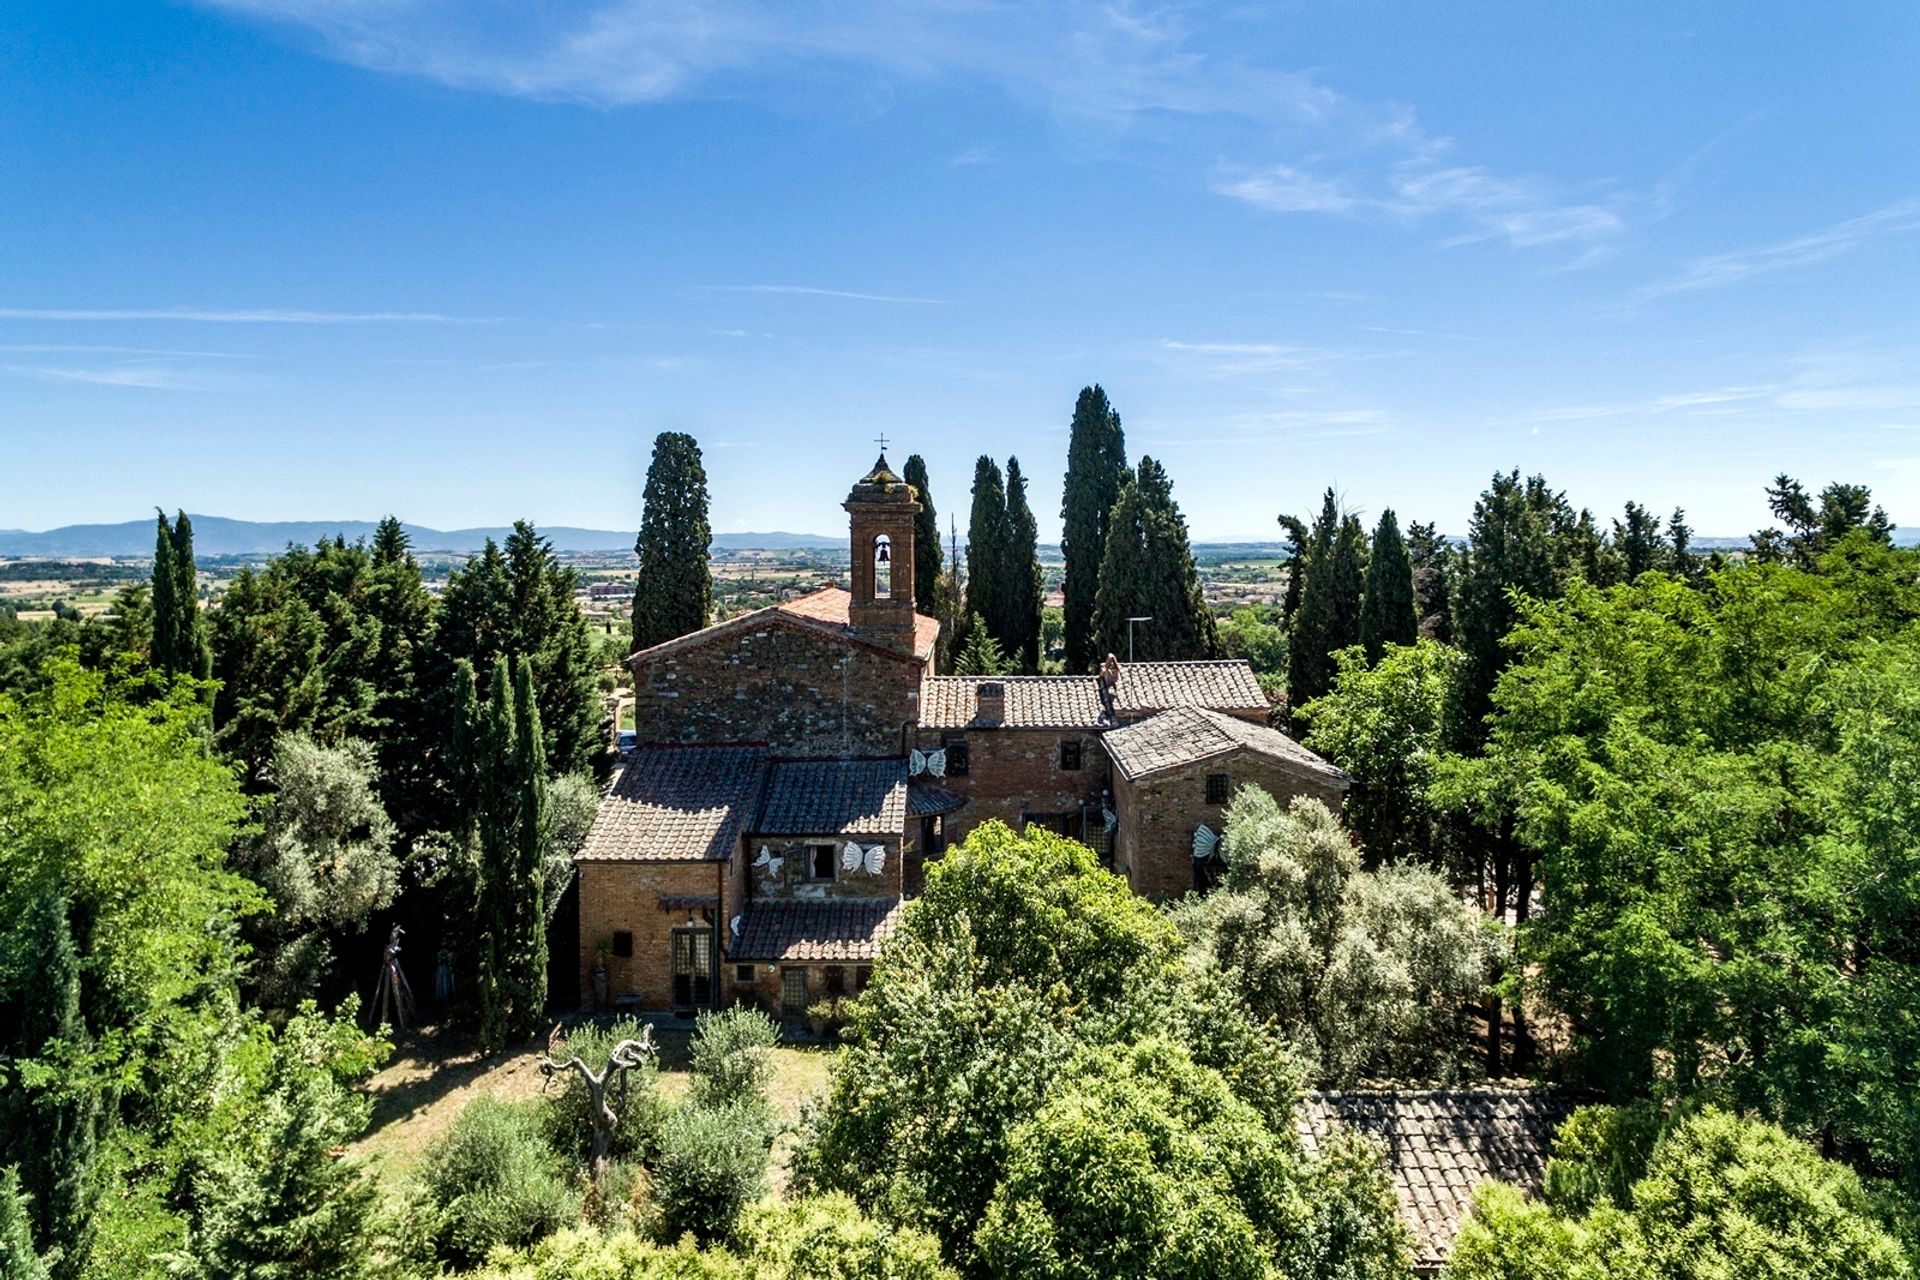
712	1163
828	1238
18	1261
494	1180
732	1056
635	1099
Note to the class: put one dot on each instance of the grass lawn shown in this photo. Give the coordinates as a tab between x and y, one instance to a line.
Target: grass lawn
435	1072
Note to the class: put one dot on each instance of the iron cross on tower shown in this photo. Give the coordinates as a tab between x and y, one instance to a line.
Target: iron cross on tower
882	442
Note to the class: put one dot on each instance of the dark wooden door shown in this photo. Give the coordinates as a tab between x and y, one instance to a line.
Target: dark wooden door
692	969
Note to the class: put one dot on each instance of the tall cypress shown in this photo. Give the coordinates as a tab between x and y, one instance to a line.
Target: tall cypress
1388	614
927	558
1297	542
1312	632
196	652
55	1124
405	735
528	965
1148	571
1025	589
166	614
1096	471
498	798
988	538
674	593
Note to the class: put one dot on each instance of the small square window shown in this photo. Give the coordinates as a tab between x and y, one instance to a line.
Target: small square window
743	974
959	759
821	860
836	980
1070	755
1216	788
623	944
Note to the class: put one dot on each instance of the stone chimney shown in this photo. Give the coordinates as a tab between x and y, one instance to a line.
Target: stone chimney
991	699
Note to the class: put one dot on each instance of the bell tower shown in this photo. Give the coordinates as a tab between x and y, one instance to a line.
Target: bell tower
881	510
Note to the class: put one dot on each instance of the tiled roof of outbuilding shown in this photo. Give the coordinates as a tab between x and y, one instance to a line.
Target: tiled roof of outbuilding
673	803
834	797
826	930
1224	685
924	800
1031	702
1187	735
1074	702
1441	1144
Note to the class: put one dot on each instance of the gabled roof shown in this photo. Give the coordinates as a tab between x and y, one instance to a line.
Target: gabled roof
830	929
1188	735
825	612
672	803
924	800
1441	1144
1076	702
833	798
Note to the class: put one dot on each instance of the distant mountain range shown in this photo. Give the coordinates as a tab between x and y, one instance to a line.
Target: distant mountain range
219	536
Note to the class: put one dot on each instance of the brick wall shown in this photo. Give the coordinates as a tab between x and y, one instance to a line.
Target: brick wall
1017	771
617	896
792	882
764	990
804	693
1154	849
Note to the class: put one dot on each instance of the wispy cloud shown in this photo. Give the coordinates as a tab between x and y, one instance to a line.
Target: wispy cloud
811	291
1523	212
972	156
248	316
78	348
1256	357
147	377
1721	269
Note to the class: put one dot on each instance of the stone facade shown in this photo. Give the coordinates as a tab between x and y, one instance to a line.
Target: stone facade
1014	773
794	880
1153	846
779	682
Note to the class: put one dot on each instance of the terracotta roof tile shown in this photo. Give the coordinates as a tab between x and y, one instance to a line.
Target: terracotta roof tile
834	797
675	804
1224	685
1074	702
826	611
1187	735
826	930
1441	1144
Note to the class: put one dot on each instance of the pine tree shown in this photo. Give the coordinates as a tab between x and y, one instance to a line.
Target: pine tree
1388	614
1639	543
1432	559
1511	547
1096	471
1026	593
979	654
1148	571
1681	559
927	560
674	593
988	537
53	1128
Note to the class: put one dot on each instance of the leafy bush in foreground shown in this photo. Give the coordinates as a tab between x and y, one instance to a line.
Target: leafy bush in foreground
494	1180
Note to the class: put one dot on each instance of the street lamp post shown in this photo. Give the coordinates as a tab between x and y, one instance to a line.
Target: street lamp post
1130	622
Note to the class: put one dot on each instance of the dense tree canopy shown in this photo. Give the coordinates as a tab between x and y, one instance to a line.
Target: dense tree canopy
928	560
1389	612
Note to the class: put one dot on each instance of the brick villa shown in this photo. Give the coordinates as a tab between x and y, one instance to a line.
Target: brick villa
798	766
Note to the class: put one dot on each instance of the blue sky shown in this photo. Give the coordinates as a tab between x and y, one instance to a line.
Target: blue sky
461	261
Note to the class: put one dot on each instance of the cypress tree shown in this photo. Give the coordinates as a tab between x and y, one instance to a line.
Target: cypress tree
528	962
1298	540
196	652
1312	632
1148	571
674	593
497	833
927	559
1025	584
1681	559
404	734
53	1128
1388	614
18	1260
1096	471
166	614
987	541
